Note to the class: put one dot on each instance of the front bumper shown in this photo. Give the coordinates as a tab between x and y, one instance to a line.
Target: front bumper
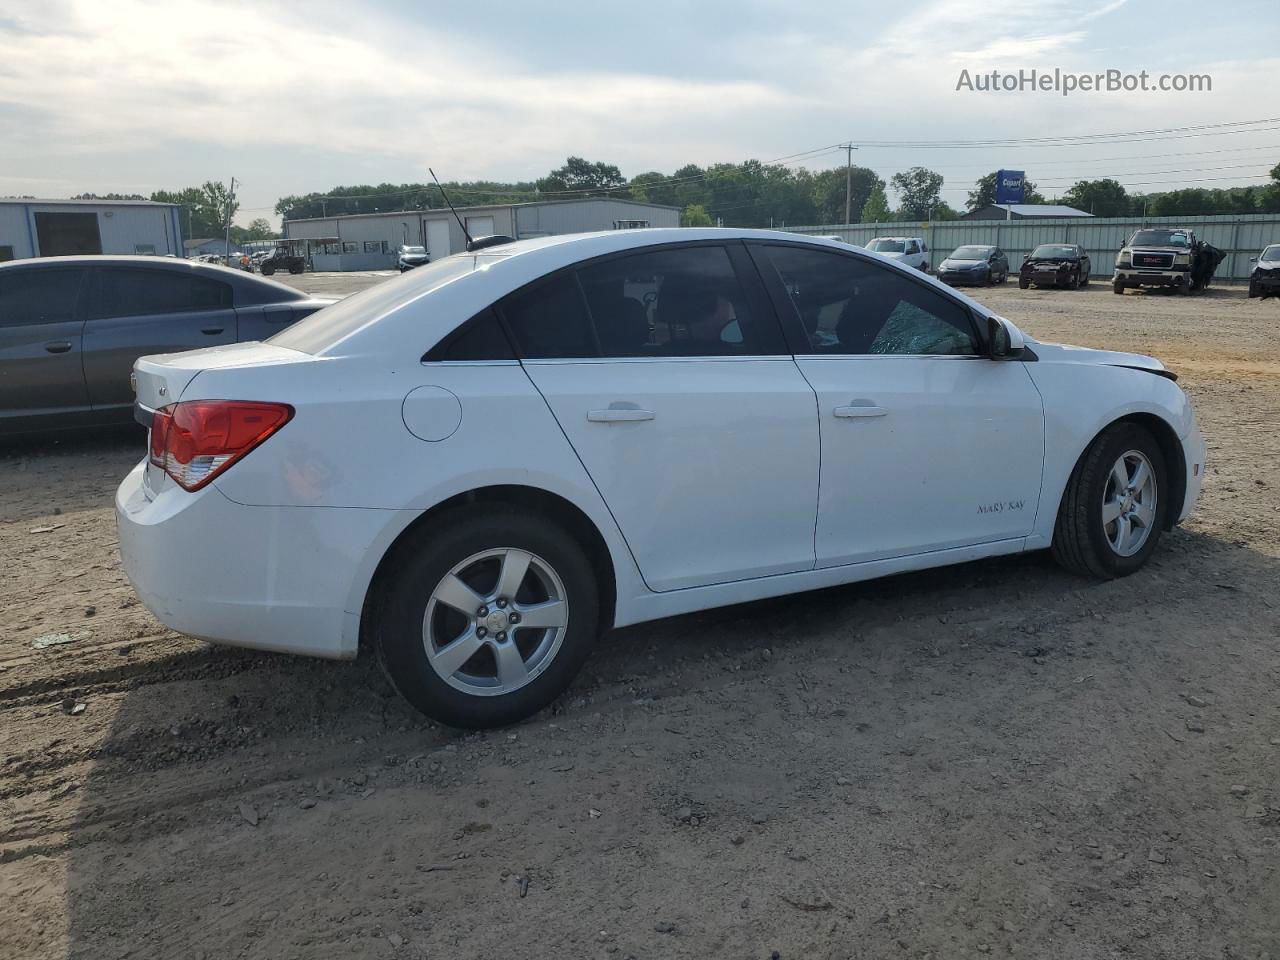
1047	278
1131	277
1194	451
271	578
958	277
1266	284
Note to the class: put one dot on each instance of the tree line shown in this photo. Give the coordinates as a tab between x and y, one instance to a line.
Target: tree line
748	194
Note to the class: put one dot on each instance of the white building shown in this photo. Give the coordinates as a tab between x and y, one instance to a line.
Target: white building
368	241
59	228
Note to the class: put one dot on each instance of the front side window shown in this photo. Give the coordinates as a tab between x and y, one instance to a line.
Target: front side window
38	296
849	306
139	293
673	303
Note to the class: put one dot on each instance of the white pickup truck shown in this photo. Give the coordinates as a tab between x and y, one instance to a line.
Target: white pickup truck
912	251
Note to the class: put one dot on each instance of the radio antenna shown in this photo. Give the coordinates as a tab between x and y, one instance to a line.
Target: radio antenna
451	210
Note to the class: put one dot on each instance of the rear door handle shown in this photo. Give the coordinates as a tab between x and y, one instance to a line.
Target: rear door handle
860	409
58	346
212	331
619	415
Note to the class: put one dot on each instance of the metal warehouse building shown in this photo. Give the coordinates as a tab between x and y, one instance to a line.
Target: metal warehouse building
59	228
369	241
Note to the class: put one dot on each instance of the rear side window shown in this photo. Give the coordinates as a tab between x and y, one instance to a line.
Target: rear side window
674	303
480	338
849	306
139	293
38	296
549	320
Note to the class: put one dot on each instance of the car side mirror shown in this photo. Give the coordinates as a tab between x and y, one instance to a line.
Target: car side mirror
1004	340
1253	259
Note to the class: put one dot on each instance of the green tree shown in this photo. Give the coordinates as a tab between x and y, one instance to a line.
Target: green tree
876	209
259	229
695	215
592	179
983	193
829	192
919	189
1102	198
205	210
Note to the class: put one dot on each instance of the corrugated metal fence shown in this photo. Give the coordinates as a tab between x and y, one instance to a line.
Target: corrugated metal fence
1241	237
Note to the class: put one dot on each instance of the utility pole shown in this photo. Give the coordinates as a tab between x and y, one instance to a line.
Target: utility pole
231	198
848	181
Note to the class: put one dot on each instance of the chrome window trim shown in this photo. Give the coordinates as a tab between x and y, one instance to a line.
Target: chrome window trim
712	358
469	363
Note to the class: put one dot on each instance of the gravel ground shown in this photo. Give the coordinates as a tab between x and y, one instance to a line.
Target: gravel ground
996	758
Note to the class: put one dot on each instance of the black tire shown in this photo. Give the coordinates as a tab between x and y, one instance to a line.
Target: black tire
1080	542
1023	283
1004	276
1117	287
423	561
1084	279
1074	282
1254	291
296	268
268	269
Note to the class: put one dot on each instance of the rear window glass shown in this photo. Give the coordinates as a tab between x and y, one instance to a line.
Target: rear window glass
324	328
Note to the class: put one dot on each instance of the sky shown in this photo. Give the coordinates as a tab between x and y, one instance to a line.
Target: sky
133	96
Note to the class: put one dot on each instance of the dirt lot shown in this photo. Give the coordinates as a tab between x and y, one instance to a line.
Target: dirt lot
994	759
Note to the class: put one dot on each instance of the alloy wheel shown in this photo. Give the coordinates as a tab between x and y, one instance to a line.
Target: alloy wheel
1129	503
495	621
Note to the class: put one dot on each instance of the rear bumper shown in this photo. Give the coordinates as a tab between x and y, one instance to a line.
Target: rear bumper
270	578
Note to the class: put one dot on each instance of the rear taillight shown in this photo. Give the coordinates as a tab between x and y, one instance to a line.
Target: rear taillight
196	440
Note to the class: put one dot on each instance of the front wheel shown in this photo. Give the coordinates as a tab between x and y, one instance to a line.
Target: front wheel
1113	509
1117	287
1254	290
1023	283
487	617
268	269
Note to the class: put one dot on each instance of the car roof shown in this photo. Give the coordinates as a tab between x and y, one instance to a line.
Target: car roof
238	279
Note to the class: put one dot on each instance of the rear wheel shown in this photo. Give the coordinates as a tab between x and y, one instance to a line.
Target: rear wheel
296	268
487	617
1112	511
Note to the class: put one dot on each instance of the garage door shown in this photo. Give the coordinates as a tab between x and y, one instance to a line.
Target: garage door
480	227
437	239
68	234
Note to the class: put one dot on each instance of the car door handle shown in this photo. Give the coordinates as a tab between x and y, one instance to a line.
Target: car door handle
864	409
619	415
58	346
212	331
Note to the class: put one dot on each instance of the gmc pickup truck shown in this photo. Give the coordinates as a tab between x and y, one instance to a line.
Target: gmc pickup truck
1165	257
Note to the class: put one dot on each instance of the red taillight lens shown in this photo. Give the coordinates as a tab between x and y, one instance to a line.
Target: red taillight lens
195	441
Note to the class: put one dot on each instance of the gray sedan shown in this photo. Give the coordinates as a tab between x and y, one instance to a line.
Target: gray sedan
71	328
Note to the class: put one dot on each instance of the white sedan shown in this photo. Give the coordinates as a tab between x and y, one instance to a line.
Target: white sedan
480	466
